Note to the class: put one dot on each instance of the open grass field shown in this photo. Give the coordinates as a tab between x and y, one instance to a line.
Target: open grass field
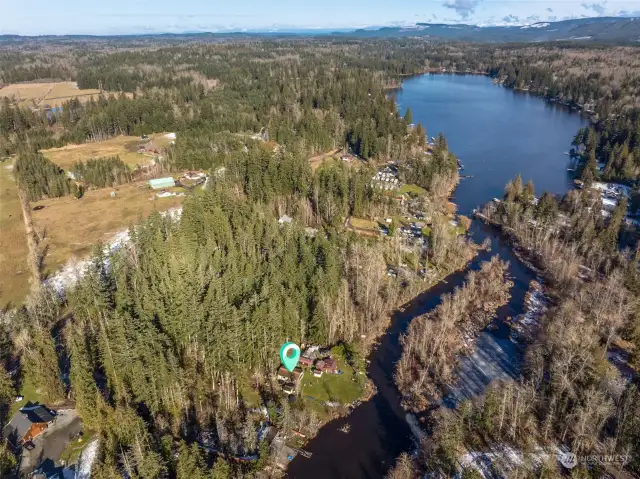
316	161
414	190
51	93
126	147
72	227
363	224
14	269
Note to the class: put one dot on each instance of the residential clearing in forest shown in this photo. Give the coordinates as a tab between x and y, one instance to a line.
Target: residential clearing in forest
132	150
334	156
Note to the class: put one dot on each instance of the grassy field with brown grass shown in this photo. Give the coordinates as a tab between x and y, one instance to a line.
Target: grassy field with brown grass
14	252
316	161
47	93
72	227
126	147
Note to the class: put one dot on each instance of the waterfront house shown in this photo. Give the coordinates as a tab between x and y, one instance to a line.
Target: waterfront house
305	361
329	366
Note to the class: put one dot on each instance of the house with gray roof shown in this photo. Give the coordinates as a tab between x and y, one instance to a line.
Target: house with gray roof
28	423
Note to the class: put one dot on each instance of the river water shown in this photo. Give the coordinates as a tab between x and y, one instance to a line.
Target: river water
497	133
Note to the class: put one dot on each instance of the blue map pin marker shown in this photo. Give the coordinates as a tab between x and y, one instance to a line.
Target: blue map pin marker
290	355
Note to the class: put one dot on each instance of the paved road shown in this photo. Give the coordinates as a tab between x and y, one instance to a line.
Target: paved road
52	443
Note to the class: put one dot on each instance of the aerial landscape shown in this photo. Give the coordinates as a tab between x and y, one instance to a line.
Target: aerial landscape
267	241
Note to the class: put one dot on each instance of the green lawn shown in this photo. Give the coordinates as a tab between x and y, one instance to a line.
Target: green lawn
29	393
343	388
414	190
363	224
72	452
250	396
454	230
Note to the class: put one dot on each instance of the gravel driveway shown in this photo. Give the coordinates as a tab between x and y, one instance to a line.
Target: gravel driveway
52	443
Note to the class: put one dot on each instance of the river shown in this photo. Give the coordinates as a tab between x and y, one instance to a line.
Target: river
497	133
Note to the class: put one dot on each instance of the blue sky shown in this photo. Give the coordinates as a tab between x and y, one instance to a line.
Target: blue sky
33	17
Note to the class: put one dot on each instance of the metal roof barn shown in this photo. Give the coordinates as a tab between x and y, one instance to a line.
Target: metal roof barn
160	183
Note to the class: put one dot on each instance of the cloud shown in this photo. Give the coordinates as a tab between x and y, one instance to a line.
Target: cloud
464	8
510	19
625	13
549	9
596	7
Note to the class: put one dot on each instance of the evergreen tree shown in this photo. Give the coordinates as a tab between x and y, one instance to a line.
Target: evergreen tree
408	116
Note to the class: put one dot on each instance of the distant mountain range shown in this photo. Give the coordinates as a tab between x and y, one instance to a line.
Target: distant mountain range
597	29
603	29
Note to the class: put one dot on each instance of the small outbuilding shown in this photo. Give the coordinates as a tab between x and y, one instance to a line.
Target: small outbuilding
160	183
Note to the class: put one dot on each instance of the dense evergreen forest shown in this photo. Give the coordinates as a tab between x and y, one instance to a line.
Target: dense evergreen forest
161	341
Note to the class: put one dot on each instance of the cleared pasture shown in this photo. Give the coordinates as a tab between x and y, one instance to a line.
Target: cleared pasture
72	227
126	147
46	93
15	274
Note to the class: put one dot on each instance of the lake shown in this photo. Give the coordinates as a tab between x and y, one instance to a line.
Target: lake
497	133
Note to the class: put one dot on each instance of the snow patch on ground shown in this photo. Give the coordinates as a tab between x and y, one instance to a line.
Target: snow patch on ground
75	269
85	462
506	456
535	25
417	431
525	325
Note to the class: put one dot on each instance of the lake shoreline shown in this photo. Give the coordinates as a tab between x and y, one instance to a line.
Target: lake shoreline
471	111
553	100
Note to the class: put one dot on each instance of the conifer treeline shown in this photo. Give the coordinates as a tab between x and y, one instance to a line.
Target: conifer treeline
614	142
38	177
183	317
102	172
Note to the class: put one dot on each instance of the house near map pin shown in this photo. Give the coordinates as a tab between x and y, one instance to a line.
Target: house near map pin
289	381
28	423
285	375
305	361
328	365
160	183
